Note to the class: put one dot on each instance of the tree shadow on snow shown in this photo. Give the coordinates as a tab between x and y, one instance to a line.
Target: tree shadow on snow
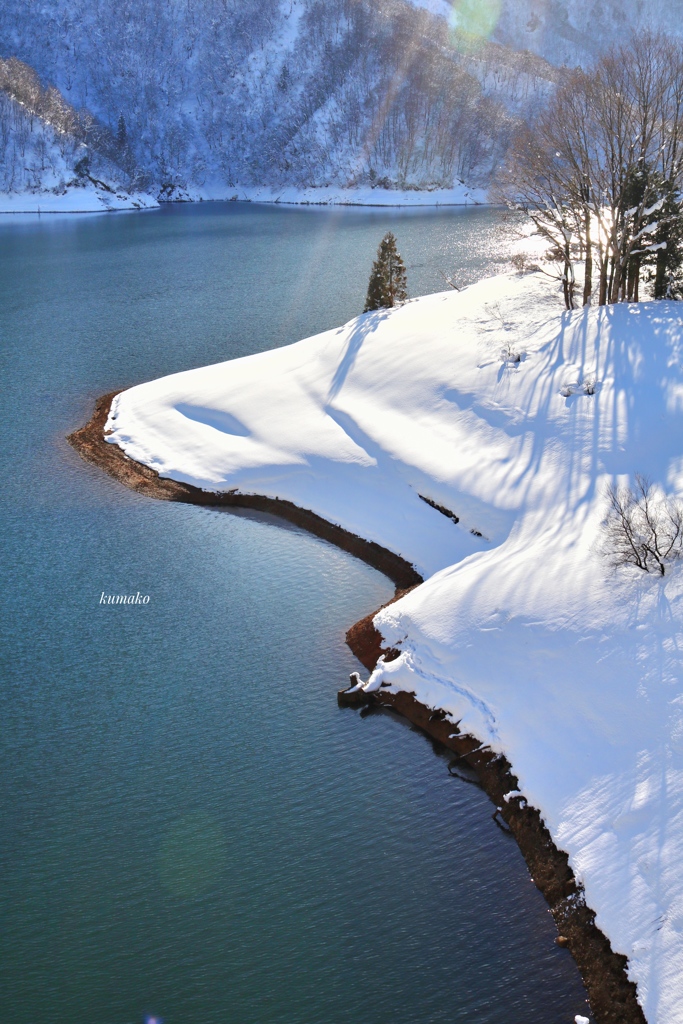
366	324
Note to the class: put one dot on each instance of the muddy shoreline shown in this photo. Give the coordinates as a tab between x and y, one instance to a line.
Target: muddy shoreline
612	996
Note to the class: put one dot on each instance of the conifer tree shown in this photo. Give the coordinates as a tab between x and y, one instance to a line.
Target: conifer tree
387	286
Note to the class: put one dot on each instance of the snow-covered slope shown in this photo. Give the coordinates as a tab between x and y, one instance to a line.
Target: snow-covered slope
74	196
44	167
524	633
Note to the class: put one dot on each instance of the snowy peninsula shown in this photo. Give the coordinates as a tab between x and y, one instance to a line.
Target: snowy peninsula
514	416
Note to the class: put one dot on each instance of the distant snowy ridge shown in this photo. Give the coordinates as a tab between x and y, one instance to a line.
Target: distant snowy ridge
568	32
521	631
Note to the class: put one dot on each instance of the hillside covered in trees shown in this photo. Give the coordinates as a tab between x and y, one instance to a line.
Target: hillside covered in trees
207	95
297	92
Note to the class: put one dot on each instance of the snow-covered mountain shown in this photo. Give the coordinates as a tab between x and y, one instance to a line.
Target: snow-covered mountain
572	33
297	92
218	93
559	31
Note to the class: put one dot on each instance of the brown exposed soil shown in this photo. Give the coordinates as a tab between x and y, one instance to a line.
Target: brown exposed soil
612	996
89	442
366	642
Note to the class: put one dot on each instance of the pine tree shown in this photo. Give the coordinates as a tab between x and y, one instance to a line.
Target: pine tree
667	245
387	286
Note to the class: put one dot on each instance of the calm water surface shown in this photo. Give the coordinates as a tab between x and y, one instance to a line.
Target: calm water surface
191	829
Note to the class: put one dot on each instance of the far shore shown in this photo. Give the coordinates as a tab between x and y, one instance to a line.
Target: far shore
75	201
612	996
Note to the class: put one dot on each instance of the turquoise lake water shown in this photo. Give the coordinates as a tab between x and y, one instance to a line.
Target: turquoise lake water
192	830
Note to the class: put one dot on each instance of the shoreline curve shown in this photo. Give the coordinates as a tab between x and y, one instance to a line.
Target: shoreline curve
612	996
90	444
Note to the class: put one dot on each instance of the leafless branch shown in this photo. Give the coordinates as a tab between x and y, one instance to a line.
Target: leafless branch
642	528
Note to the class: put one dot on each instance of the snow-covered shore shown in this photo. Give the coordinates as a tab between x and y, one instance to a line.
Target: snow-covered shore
81	198
91	199
328	195
476	401
334	195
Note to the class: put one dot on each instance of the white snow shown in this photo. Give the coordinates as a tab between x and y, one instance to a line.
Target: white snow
37	169
89	198
75	199
572	670
336	195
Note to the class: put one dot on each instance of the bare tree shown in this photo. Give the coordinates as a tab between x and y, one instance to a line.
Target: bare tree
601	168
642	528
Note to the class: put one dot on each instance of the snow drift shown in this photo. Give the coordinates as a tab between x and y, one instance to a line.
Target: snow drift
476	402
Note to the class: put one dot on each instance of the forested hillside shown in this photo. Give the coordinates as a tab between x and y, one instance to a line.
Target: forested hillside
212	93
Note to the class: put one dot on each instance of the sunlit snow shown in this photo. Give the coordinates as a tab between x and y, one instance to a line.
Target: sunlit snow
523	633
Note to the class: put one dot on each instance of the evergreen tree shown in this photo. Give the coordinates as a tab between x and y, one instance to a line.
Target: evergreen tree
668	245
387	285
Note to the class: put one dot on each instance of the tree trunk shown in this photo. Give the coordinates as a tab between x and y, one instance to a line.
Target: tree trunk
568	283
610	284
660	275
630	280
565	289
602	301
633	279
615	284
588	276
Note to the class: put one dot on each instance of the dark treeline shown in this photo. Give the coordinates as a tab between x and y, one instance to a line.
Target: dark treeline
600	172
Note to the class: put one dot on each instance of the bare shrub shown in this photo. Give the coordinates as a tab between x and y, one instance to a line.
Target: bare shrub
643	529
523	264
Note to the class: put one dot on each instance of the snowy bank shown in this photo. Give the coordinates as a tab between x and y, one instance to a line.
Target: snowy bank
88	198
331	195
475	401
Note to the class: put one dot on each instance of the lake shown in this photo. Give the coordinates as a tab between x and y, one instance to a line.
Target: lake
192	830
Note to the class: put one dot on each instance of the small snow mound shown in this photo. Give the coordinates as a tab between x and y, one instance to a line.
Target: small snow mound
587	386
510	356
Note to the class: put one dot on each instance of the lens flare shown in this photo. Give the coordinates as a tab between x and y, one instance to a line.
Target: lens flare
475	20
